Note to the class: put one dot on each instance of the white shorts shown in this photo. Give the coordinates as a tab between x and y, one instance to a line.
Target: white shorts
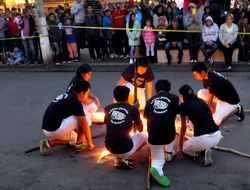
222	110
140	94
66	132
88	110
200	143
138	140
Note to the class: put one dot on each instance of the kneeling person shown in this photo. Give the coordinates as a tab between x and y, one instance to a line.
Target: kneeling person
160	112
219	91
206	132
121	118
64	121
92	103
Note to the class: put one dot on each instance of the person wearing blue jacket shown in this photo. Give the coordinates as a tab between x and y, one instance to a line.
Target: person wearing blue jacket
107	33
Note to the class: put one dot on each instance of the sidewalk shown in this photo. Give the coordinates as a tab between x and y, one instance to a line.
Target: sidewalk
114	66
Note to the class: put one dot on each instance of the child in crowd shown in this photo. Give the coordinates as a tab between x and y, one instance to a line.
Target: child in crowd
133	36
17	57
71	40
149	38
161	37
161	40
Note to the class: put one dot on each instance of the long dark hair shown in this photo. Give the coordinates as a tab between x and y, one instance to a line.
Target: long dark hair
131	22
187	92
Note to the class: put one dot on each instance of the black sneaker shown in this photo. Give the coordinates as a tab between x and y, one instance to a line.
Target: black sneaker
240	113
124	164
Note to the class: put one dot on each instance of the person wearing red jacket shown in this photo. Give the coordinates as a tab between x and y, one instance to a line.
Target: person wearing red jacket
119	36
13	32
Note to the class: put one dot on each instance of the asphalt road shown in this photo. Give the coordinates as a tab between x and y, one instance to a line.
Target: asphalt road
23	99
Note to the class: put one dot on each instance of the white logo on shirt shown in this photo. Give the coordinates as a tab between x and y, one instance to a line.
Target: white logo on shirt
160	105
219	74
60	97
118	115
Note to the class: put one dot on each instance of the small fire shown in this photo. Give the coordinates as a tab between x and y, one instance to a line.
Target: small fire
98	117
104	153
104	156
144	122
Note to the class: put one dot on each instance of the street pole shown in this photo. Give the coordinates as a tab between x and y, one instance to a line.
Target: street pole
42	28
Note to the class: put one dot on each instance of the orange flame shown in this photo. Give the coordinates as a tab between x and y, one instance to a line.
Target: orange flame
98	117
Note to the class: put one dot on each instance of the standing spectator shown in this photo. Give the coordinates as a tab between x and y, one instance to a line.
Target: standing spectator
169	15
55	37
78	13
228	36
93	36
161	36
107	34
28	31
71	40
133	36
149	39
192	21
135	9
159	12
96	6
244	27
120	39
146	13
13	32
3	29
210	32
175	10
174	40
206	14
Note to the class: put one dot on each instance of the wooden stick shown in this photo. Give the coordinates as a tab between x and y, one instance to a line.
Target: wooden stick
148	170
247	110
231	150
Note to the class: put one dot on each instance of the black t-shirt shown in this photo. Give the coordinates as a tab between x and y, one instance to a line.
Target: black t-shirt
74	80
160	112
63	106
222	88
120	118
200	115
140	80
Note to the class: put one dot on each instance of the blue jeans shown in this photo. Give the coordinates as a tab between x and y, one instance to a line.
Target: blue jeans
132	52
208	49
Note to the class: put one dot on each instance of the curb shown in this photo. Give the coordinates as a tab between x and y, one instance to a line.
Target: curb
114	67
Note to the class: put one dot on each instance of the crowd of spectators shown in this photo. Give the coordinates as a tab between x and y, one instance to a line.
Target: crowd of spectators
218	27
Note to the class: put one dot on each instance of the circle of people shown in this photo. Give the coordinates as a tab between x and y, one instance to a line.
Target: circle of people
67	119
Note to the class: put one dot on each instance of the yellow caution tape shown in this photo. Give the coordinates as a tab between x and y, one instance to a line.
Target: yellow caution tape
138	29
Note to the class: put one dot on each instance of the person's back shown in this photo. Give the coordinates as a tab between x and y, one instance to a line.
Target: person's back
200	115
59	109
161	112
119	120
221	87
